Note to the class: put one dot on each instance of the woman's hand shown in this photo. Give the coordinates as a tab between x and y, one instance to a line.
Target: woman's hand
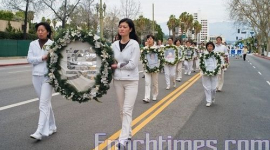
114	66
44	57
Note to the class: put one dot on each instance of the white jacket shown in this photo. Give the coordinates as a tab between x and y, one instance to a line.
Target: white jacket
130	56
34	57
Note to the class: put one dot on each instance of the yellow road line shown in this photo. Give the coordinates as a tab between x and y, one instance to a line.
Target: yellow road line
147	112
159	110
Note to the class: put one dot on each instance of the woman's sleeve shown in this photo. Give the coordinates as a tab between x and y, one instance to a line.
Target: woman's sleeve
31	58
134	60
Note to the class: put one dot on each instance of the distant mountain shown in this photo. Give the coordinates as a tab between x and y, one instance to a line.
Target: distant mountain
226	29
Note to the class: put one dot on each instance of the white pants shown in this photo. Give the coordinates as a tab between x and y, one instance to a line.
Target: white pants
220	80
210	85
195	65
179	70
148	78
126	92
188	66
46	117
169	73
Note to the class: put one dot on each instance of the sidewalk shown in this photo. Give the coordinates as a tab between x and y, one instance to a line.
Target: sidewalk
265	57
10	61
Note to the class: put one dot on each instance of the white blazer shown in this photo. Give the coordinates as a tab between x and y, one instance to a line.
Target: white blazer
130	56
34	57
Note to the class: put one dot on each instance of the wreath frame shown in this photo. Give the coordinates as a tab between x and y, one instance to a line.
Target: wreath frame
160	54
102	79
176	55
202	64
185	49
182	53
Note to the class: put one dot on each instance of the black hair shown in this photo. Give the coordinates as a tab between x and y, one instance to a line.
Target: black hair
132	34
47	27
170	38
177	40
195	43
190	41
150	35
219	37
210	43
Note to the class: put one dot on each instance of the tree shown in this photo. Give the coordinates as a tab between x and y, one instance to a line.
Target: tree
254	14
172	24
6	15
197	28
144	27
111	23
130	8
62	12
25	6
185	22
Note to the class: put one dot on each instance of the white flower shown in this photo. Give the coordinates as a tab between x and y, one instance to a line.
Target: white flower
96	38
90	34
97	44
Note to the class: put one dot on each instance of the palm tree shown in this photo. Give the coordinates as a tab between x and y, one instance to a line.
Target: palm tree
197	28
172	24
186	22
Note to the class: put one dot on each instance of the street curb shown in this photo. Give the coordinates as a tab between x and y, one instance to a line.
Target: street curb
268	58
16	64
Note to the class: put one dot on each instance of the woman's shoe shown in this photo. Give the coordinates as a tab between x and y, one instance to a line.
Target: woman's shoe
36	135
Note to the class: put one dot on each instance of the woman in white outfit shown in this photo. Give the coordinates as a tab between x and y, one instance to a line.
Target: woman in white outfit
179	65
209	81
170	69
188	54
126	75
37	55
151	76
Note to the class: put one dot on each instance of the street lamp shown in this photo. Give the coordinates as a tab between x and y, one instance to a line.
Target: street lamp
101	9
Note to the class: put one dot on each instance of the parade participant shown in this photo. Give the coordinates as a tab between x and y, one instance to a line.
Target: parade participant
145	45
195	65
245	53
210	63
150	66
170	66
159	44
37	56
179	65
126	75
222	51
188	56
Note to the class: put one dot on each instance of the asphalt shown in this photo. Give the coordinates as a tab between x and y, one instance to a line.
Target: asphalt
241	111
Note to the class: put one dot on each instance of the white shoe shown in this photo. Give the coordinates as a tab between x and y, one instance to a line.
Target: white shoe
208	104
154	99
185	73
213	100
174	84
146	100
168	87
51	132
36	135
189	73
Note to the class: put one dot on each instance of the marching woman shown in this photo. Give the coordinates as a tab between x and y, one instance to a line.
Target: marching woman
152	66
170	63
188	56
196	56
223	52
179	65
126	75
37	56
210	64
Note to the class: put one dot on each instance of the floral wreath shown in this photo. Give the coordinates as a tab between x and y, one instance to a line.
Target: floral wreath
176	55
202	64
190	48
160	54
102	79
182	53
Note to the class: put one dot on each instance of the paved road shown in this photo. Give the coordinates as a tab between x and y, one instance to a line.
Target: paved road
178	114
242	109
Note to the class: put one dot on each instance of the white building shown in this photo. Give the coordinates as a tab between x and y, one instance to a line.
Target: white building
203	36
213	38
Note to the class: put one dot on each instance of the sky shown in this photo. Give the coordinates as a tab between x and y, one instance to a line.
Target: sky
215	10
